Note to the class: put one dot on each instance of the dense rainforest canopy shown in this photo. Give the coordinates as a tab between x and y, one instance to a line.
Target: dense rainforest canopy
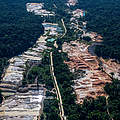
18	29
103	17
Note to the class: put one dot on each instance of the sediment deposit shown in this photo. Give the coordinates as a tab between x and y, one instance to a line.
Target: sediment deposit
22	106
27	103
91	79
13	75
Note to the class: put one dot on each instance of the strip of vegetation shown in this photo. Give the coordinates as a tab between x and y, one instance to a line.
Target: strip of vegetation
41	74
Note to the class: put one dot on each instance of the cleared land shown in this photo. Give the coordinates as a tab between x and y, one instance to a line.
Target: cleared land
90	79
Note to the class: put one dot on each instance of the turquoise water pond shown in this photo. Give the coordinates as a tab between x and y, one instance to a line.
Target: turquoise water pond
51	40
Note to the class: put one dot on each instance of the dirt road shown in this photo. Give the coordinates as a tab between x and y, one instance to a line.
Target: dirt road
57	89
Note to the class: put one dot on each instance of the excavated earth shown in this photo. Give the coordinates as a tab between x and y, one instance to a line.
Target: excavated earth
90	79
27	103
13	75
23	106
111	66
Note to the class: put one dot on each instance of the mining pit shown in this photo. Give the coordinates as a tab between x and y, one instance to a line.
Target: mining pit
91	83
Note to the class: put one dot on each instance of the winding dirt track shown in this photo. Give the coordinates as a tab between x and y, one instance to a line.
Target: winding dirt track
64	28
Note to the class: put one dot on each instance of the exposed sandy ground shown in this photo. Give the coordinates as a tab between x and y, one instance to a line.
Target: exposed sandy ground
91	80
22	106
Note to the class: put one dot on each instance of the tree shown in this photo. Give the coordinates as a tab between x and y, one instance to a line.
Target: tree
87	38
